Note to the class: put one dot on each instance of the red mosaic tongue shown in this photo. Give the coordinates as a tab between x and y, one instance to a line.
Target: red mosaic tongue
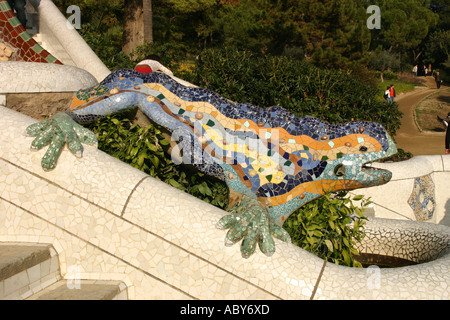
14	35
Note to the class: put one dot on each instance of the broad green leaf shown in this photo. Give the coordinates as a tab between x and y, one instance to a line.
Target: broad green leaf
164	142
329	244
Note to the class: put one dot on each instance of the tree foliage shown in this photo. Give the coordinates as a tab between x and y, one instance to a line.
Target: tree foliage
442	8
384	61
331	33
437	47
189	6
296	85
405	24
334	33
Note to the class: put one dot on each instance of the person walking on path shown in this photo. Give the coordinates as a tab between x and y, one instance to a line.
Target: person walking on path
438	80
446	121
387	95
392	93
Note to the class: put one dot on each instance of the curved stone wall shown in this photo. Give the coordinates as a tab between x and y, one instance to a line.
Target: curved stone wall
30	77
57	36
115	222
418	190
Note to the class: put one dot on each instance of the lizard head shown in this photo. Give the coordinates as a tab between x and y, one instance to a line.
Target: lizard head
329	157
350	168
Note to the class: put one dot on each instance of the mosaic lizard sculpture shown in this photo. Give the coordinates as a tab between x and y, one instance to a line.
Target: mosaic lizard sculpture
272	161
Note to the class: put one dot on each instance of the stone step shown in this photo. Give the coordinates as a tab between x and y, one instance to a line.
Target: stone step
83	290
31	271
26	268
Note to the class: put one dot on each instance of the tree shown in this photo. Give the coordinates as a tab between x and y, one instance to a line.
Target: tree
437	48
442	8
404	25
138	24
384	61
334	32
329	33
244	25
189	6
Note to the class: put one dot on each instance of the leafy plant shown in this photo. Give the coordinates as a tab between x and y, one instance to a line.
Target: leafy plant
144	148
329	227
401	155
298	86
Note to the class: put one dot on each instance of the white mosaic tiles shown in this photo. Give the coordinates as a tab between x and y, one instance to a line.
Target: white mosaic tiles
63	41
423	281
115	223
403	183
21	77
417	242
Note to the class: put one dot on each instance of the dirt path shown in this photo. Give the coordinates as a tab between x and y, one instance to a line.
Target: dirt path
409	137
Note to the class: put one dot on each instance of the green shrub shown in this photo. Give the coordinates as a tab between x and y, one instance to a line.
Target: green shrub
401	155
445	72
329	227
144	149
389	75
296	85
107	45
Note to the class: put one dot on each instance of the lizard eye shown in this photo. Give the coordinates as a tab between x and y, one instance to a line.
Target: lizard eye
363	149
339	170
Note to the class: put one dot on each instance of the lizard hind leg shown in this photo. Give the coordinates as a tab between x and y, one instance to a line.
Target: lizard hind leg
234	198
250	222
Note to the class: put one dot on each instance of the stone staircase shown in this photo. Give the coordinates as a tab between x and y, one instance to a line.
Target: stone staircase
31	271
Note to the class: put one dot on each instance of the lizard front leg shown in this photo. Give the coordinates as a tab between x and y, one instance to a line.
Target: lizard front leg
63	128
55	133
250	222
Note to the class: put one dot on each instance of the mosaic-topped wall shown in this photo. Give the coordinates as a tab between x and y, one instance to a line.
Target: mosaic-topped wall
165	249
19	43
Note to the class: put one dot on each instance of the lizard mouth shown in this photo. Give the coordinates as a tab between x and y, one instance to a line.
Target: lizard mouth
377	176
366	167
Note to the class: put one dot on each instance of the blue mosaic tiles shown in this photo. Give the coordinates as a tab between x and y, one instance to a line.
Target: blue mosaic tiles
422	199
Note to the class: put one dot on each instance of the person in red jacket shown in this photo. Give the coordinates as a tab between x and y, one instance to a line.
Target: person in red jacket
392	93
